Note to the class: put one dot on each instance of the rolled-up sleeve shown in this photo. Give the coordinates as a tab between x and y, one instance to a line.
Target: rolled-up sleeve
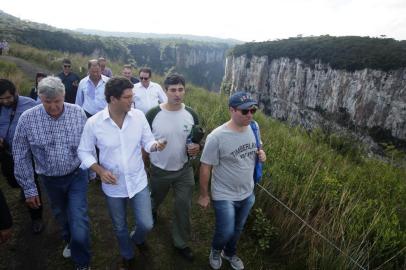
86	149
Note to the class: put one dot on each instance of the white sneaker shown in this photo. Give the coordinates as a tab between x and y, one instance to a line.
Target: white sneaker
235	262
215	259
66	251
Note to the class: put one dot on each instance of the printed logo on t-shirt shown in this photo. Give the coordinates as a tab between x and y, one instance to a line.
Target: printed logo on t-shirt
245	151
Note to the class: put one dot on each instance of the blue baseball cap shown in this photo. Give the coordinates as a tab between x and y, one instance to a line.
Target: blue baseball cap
241	100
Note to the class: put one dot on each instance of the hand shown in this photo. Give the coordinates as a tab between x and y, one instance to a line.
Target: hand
159	145
204	201
5	235
108	177
193	149
33	202
261	155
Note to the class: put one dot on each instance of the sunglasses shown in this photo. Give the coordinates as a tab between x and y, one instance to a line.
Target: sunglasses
144	78
246	111
66	66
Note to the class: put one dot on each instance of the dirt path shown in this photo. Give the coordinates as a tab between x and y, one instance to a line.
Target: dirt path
28	68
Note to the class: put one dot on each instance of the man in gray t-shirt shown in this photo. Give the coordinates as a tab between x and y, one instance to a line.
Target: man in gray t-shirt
230	153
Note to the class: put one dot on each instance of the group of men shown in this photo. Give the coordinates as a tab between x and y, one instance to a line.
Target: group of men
112	128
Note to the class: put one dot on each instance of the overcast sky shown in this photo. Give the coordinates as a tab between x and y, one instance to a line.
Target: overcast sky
244	20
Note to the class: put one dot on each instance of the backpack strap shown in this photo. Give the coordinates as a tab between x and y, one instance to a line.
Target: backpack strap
151	115
194	114
254	127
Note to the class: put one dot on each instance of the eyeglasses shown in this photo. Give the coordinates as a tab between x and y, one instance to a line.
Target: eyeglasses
66	66
144	78
245	112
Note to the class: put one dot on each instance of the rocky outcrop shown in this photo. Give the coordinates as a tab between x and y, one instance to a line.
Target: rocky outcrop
314	94
202	64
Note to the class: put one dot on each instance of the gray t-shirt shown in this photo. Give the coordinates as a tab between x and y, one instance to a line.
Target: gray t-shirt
232	155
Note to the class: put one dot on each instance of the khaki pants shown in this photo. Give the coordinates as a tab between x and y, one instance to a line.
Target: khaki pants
182	183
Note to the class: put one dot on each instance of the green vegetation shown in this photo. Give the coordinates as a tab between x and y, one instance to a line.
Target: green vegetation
349	53
358	203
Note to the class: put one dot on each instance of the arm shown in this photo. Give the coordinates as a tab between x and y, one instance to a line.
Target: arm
79	95
204	197
147	139
161	95
5	220
23	168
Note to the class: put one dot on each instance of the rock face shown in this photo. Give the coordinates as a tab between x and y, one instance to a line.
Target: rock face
202	64
369	100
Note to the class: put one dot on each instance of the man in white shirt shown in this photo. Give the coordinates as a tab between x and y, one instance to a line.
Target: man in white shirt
147	94
90	94
120	132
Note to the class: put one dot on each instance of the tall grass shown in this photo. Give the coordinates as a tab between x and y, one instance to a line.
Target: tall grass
357	203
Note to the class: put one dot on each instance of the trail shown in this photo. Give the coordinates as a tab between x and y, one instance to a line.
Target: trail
27	67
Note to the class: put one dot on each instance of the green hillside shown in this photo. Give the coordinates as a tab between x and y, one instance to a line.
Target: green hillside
356	202
348	52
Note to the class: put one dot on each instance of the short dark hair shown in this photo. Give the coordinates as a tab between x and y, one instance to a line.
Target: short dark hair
174	79
116	86
66	61
145	70
6	85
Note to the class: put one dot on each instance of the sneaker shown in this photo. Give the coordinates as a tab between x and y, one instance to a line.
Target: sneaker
84	267
215	259
235	262
66	251
37	226
186	253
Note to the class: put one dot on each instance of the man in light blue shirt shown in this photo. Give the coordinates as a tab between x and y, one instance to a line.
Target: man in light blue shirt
90	95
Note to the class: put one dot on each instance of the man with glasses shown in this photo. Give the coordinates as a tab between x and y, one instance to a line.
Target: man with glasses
70	80
147	94
229	155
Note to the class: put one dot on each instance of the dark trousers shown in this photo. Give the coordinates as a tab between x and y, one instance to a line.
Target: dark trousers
7	168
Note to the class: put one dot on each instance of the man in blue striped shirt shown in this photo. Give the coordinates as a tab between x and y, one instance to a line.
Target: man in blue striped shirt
50	133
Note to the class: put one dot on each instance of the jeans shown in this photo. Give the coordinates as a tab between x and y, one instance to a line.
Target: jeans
230	220
141	205
68	199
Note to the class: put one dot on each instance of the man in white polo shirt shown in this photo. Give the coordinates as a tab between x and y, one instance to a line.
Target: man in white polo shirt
147	94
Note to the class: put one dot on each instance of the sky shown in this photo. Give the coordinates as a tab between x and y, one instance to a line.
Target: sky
249	20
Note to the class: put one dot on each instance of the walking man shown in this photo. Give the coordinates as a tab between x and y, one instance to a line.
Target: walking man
70	80
120	132
12	106
173	121
50	133
147	94
90	95
229	155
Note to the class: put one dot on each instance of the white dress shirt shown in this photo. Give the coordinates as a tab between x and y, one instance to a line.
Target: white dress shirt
147	98
120	150
90	97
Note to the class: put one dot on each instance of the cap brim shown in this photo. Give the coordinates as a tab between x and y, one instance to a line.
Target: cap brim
247	105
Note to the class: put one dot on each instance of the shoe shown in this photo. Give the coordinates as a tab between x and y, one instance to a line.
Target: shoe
37	226
127	264
215	259
186	253
83	267
66	251
235	262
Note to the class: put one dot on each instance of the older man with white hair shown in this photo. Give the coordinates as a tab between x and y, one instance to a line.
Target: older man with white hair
50	133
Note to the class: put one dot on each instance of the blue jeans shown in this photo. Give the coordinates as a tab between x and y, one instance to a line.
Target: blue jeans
141	205
68	198
230	220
